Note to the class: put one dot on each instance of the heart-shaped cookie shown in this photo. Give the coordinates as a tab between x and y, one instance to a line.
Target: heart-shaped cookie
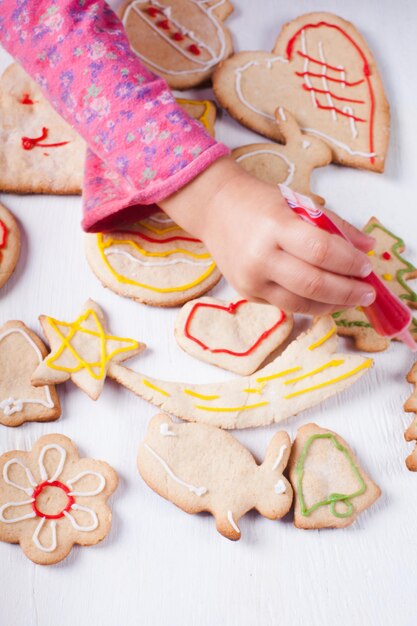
323	72
181	40
237	336
39	151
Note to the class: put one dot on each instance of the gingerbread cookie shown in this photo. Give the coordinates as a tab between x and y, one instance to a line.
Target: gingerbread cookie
330	488
411	407
291	164
21	351
9	244
82	350
323	72
202	468
202	110
181	40
237	336
50	499
395	271
153	261
306	373
40	152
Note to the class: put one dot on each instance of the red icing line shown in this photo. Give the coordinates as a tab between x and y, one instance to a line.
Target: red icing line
29	143
366	71
55	483
194	49
178	36
333	95
26	99
318	62
229	309
137	233
340	111
334	80
386	256
3	234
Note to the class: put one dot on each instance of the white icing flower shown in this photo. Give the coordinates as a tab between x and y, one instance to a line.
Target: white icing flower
54	503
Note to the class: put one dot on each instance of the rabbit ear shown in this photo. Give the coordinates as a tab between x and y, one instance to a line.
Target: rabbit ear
278	453
288	126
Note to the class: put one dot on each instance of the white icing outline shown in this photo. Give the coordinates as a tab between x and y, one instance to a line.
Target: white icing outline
84	494
165	430
206	65
279	457
117	251
198	491
28	490
268	63
232	522
290	164
60	467
9	406
86	509
13	520
35	536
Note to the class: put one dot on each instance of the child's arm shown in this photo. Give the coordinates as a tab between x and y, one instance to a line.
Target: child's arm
265	250
144	148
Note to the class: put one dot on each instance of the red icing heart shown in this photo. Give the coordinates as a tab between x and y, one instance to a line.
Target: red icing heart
231	309
322	71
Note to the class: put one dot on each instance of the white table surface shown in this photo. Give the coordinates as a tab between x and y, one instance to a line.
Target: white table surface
160	566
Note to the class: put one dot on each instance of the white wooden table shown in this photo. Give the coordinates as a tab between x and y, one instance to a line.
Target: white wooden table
160	566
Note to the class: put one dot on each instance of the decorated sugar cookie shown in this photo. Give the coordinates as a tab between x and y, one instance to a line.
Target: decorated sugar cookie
51	499
202	110
181	40
291	164
323	72
202	468
82	350
395	271
237	336
40	152
305	374
153	261
21	351
330	487
411	407
9	244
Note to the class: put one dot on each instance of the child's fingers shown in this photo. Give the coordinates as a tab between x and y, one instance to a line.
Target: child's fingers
319	248
358	238
316	284
287	301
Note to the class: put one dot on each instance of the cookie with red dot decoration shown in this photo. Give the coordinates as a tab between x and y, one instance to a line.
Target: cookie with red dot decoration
9	244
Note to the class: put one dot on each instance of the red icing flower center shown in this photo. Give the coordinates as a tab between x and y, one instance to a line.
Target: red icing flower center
55	484
386	256
194	49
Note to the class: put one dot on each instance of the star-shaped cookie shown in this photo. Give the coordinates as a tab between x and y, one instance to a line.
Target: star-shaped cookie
82	350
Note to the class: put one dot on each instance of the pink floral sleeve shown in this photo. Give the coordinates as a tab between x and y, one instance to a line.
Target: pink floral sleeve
142	145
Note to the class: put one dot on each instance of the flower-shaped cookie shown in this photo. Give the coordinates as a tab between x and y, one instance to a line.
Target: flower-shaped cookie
51	499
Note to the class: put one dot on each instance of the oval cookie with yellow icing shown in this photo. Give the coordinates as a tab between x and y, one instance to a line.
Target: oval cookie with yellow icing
153	261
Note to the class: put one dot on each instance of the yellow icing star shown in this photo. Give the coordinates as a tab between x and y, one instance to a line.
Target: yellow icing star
82	350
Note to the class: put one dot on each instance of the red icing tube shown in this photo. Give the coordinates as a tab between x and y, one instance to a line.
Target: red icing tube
389	316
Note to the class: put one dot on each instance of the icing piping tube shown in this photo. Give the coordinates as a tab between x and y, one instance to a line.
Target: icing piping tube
388	315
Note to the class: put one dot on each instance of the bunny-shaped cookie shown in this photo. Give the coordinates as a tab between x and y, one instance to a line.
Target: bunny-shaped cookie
202	468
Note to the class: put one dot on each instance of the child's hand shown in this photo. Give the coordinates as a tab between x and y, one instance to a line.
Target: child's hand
266	251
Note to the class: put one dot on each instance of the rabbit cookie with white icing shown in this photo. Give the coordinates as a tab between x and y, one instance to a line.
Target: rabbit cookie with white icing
291	164
181	40
51	499
202	468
